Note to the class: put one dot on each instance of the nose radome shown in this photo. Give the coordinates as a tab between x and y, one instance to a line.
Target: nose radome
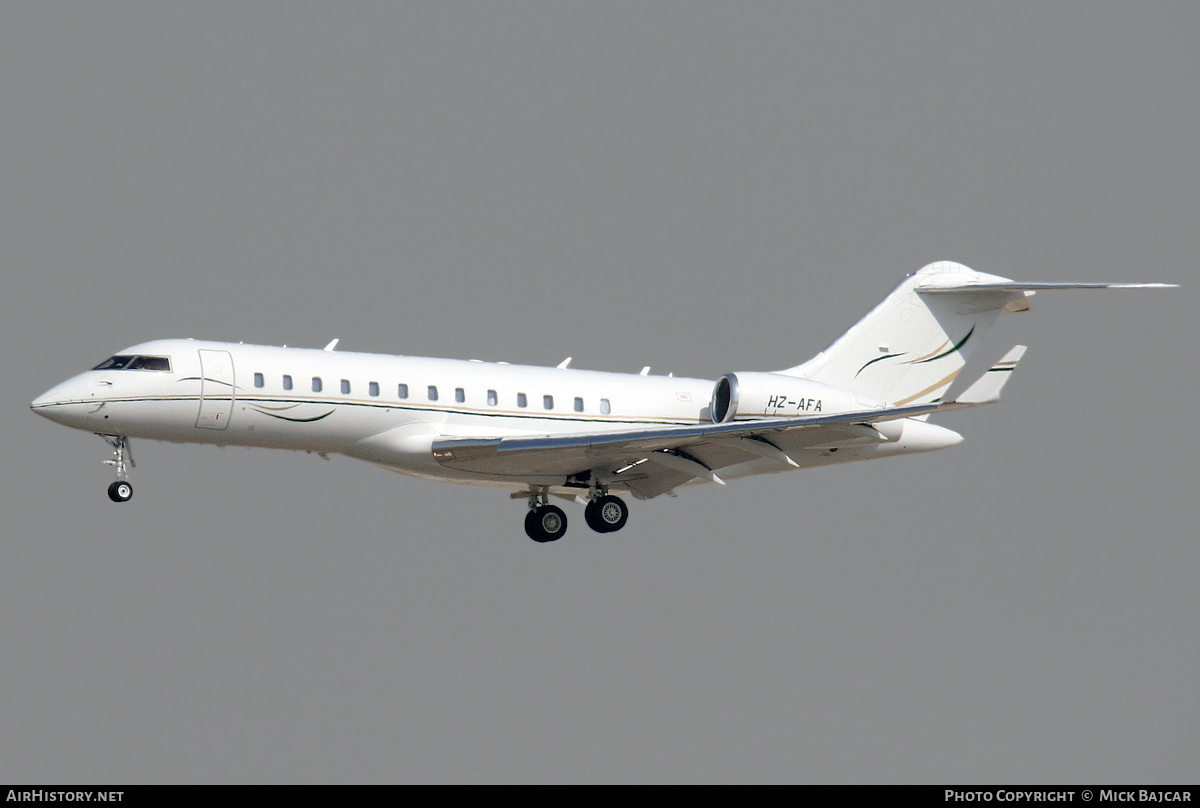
64	393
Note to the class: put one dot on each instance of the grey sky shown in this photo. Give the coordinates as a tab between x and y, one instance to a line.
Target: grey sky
698	187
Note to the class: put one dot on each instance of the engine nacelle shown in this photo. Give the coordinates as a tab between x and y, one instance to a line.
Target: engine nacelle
740	396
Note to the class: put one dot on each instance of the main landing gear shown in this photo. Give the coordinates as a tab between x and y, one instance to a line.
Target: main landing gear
121	490
545	522
606	514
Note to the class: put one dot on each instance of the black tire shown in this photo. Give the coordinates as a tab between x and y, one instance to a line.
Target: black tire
545	524
591	515
120	491
611	513
531	527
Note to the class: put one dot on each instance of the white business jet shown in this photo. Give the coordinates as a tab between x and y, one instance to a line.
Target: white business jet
574	434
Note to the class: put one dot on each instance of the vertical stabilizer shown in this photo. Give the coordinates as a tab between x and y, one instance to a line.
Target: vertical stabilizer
910	348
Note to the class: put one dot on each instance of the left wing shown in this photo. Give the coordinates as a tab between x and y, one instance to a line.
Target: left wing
570	453
653	460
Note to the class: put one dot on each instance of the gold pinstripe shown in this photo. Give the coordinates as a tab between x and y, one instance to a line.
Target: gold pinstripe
934	352
928	389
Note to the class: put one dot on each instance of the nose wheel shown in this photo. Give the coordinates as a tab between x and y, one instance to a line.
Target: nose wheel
121	490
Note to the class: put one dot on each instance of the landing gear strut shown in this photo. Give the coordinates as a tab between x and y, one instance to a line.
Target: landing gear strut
121	490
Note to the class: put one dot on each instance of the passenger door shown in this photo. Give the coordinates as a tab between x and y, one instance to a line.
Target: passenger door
216	389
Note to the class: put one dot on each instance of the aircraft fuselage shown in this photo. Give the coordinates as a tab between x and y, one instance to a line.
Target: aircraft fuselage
576	434
388	409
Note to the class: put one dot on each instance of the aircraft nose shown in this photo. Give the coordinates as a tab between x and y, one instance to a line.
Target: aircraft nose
68	392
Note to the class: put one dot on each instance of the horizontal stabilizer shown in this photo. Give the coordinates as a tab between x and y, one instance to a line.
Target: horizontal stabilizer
987	387
931	287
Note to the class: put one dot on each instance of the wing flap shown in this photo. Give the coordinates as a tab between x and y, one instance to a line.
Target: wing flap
661	481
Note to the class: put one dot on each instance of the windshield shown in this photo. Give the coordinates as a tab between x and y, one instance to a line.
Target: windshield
135	363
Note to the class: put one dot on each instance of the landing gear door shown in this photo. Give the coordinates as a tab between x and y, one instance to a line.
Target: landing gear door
216	389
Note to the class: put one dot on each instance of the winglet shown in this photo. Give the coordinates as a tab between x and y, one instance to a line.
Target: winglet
987	387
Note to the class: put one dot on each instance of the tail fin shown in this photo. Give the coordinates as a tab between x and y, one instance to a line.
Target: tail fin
910	348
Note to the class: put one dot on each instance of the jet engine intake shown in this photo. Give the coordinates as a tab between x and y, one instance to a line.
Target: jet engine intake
746	396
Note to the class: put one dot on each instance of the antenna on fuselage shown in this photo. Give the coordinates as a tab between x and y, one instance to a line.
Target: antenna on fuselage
331	345
563	364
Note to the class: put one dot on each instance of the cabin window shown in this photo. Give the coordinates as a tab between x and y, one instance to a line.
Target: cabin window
521	400
316	386
460	395
433	392
259	381
345	387
605	407
547	402
492	398
287	382
402	391
373	388
578	404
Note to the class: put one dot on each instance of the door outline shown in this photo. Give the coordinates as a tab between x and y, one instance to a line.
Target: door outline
216	389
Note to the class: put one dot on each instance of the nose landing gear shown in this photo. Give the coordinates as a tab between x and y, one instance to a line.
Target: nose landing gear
121	490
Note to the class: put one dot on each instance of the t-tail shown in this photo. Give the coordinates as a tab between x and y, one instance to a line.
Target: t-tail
910	348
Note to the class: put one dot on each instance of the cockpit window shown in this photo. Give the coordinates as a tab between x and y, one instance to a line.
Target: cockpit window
150	363
115	363
135	363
